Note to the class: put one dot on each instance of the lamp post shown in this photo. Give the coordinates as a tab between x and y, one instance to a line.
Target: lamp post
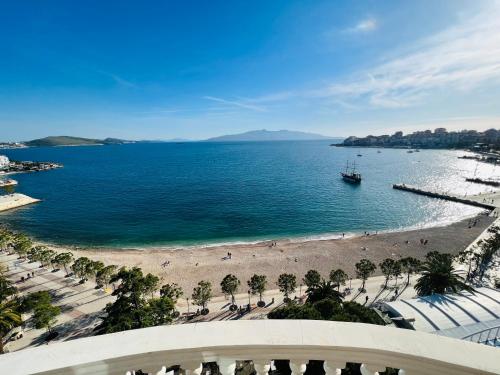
350	279
249	298
187	299
300	290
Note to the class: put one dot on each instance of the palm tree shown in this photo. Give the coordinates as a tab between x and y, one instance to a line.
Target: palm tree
22	244
323	290
439	276
338	277
9	318
257	285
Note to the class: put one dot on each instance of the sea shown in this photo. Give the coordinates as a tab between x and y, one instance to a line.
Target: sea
199	193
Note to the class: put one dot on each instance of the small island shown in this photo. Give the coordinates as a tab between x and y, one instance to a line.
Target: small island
13	166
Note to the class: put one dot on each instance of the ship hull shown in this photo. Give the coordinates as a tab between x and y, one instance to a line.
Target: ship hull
350	179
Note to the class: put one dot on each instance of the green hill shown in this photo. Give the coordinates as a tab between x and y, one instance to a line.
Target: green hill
72	141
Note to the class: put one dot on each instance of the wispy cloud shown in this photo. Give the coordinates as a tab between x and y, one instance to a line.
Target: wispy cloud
364	26
118	80
459	58
237	103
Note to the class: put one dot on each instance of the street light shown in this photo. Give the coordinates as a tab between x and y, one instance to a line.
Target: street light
187	299
249	298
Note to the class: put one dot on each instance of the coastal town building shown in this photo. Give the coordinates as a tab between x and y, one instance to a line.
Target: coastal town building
440	138
4	162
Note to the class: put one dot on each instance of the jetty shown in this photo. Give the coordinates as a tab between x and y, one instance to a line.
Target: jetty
10	201
472	200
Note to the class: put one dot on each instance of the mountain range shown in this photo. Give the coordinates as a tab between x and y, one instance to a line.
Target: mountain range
250	136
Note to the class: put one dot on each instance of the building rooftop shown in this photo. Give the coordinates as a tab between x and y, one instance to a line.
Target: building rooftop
444	312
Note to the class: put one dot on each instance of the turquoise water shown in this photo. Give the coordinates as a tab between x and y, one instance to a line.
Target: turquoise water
202	193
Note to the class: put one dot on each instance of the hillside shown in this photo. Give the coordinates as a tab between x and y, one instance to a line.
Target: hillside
269	135
71	141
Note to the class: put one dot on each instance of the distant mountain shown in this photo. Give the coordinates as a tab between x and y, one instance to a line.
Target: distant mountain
73	141
270	135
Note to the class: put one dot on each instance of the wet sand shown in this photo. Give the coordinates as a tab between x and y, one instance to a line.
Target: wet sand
189	265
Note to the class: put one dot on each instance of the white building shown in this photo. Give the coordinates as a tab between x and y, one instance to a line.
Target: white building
4	162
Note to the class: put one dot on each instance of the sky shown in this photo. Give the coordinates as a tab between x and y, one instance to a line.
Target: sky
196	69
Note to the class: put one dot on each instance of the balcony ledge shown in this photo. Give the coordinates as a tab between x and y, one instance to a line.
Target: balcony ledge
189	345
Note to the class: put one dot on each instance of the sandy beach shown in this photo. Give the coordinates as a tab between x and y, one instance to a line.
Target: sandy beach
189	265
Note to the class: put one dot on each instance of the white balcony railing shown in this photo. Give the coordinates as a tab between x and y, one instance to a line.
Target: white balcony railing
261	341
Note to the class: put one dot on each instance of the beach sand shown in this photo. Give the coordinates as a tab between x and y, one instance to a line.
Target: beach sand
190	265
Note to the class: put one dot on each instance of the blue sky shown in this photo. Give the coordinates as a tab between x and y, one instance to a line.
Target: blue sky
195	69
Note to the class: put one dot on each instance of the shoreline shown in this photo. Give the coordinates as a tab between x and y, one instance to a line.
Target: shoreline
193	264
303	238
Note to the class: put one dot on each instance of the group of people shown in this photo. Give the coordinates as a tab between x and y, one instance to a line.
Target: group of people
423	241
473	222
273	244
165	264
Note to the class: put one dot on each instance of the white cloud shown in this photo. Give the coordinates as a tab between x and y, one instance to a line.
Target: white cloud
237	103
364	26
459	58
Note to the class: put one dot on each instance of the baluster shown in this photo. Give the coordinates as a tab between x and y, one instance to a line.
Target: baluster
298	368
226	366
262	367
333	368
369	369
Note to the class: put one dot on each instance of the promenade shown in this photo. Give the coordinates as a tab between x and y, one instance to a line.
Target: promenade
82	304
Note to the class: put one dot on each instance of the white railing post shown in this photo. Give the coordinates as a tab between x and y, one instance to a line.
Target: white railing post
262	367
369	369
297	367
333	368
226	366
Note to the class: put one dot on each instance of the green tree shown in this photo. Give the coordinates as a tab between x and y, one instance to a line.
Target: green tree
131	309
22	244
63	260
6	289
311	279
257	285
396	271
29	302
46	256
323	290
202	294
410	266
45	316
229	285
151	284
6	238
287	283
364	269
172	291
81	268
338	277
9	318
103	276
387	268
439	276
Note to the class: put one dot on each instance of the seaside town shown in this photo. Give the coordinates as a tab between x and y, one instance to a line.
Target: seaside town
489	140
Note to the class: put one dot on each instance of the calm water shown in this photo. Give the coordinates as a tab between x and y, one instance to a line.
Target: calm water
170	194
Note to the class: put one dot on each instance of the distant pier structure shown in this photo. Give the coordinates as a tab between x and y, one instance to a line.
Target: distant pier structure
471	201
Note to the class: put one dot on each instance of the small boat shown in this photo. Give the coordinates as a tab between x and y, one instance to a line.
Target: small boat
409	152
417	150
378	151
351	175
359	155
7	183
